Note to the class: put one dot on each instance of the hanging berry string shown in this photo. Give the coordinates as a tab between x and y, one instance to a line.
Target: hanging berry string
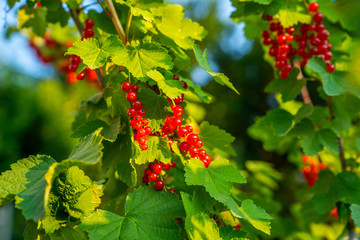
312	40
153	172
136	113
191	142
311	169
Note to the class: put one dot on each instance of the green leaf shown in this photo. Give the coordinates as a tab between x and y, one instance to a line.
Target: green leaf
158	149
328	138
334	83
292	14
109	132
325	192
355	213
149	215
170	22
203	62
16	180
34	18
92	53
255	215
228	233
289	88
215	138
69	233
155	106
314	142
217	178
171	88
198	225
344	11
279	119
31	199
143	58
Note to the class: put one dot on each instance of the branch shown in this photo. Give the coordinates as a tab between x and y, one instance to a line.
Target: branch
80	28
116	21
304	91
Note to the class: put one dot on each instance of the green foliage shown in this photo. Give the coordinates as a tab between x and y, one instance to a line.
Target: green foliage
148	215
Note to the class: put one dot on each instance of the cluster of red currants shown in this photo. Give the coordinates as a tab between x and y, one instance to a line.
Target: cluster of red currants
74	63
315	39
180	99
136	113
89	31
312	169
151	174
282	49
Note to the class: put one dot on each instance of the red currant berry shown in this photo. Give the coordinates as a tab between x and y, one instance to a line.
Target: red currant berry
142	132
152	177
328	56
268	17
141	112
148	130
273	51
189	128
171	190
280	64
166	166
175	77
131	112
173	165
135	88
206	163
145	180
89	23
318	17
267	41
89	33
73	67
289	38
319	27
265	34
199	143
178	111
193	152
313	7
287	68
192	138
137	104
126	86
147	172
284	74
74	59
157	168
323	34
80	76
137	117
330	68
159	185
144	122
177	122
178	100
144	147
201	153
237	226
184	146
182	132
290	30
281	38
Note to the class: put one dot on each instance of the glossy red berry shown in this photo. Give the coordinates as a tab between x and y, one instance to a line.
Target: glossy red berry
141	112
89	23
157	168
281	38
268	18
131	96
284	74
184	146
192	138
175	77
144	122
88	33
171	190
206	163
131	112
313	7
137	104
159	185
318	17
74	59
265	34
189	128
199	143
330	68
152	177
193	151
166	166
148	130
73	67
80	76
177	122
144	147
182	132
178	111
126	86
173	164
135	88
145	180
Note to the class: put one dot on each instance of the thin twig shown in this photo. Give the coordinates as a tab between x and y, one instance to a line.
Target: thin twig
128	24
80	28
187	65
103	8
304	91
116	21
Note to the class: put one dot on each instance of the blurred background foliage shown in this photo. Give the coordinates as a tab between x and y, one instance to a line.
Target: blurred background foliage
37	109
